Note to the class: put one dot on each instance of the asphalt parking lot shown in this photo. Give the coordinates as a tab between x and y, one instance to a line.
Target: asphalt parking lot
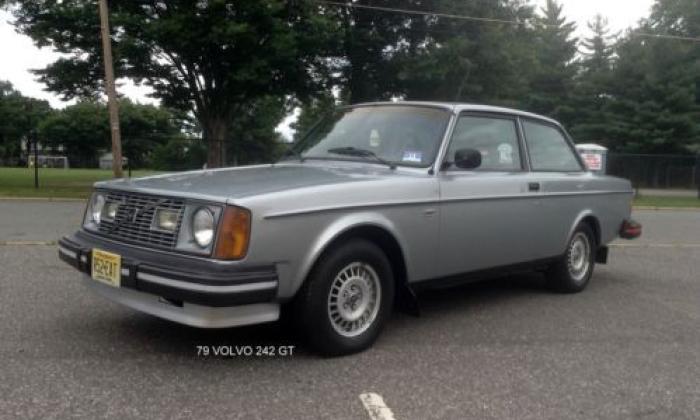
627	348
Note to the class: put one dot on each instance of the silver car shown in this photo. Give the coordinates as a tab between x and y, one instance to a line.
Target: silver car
377	201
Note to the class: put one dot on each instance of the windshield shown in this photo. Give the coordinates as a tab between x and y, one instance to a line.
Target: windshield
400	135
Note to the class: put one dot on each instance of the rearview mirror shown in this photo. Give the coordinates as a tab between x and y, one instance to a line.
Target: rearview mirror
467	158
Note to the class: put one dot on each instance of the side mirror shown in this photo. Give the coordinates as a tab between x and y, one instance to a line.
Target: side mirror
467	158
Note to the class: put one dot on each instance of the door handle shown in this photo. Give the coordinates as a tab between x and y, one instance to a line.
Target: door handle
533	186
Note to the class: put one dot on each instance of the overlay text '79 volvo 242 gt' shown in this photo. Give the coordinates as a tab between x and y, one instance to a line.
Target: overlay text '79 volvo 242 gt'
376	201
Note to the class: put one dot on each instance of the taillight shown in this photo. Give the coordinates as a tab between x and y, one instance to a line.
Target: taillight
630	230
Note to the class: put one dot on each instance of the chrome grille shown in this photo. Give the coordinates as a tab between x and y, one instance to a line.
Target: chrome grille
135	216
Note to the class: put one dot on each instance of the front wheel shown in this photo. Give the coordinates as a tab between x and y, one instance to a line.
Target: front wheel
572	272
347	298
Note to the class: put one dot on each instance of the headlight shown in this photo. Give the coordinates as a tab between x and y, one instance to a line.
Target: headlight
166	220
203	227
96	207
110	210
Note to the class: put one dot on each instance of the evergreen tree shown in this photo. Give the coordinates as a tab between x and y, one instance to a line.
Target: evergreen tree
467	60
591	100
598	49
682	18
555	47
654	100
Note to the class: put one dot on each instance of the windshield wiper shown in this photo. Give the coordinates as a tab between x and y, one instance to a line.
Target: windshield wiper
364	153
292	151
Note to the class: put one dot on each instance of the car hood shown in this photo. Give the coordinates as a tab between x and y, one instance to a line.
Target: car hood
242	182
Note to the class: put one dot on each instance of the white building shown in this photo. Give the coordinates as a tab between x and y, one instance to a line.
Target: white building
107	159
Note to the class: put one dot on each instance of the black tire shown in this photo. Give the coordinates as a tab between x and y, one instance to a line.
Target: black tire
565	275
312	304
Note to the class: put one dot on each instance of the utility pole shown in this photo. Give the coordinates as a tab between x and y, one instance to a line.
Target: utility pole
111	91
697	174
32	142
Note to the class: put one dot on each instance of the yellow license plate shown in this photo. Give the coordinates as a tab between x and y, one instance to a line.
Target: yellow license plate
106	267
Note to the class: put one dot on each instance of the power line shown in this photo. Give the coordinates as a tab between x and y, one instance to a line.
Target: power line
486	20
664	36
421	13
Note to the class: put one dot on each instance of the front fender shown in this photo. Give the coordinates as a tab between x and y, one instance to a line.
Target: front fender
336	229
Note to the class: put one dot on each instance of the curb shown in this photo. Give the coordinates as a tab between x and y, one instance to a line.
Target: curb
652	208
653	245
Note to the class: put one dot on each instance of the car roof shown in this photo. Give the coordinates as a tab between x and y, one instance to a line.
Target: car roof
462	107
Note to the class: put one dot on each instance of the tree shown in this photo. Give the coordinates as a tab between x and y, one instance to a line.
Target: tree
555	49
83	131
682	18
599	49
143	128
213	58
654	91
592	94
311	112
363	60
19	115
449	59
180	153
253	138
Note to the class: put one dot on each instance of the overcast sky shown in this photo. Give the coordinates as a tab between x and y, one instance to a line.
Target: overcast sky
19	55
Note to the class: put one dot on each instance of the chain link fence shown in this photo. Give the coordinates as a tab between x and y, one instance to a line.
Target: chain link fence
676	172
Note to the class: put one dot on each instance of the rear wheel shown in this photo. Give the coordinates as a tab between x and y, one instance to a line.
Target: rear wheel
347	298
572	272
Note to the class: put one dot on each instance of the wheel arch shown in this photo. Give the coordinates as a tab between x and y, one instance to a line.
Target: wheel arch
377	230
589	218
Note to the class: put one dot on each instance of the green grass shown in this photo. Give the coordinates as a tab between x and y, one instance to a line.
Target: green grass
680	202
53	183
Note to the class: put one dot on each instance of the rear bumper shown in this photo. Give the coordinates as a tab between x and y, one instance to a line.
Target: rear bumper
198	292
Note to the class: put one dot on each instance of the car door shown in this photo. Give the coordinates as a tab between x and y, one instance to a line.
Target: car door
557	168
486	213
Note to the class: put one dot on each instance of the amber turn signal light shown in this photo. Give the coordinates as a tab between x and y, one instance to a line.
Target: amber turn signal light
234	234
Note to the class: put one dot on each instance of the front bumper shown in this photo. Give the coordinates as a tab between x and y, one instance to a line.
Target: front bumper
192	291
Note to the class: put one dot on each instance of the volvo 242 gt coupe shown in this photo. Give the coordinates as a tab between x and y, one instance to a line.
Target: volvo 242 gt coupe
376	201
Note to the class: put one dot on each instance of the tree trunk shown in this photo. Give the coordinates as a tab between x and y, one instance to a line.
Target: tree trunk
215	131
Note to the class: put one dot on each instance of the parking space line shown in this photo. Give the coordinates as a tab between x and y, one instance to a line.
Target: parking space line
653	245
375	406
26	243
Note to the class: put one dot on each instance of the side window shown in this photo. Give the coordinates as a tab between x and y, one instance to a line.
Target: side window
549	150
496	139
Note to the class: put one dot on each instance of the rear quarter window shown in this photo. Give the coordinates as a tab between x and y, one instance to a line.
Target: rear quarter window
549	150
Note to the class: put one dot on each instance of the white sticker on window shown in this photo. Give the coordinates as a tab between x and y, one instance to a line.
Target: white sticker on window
375	139
505	153
412	156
